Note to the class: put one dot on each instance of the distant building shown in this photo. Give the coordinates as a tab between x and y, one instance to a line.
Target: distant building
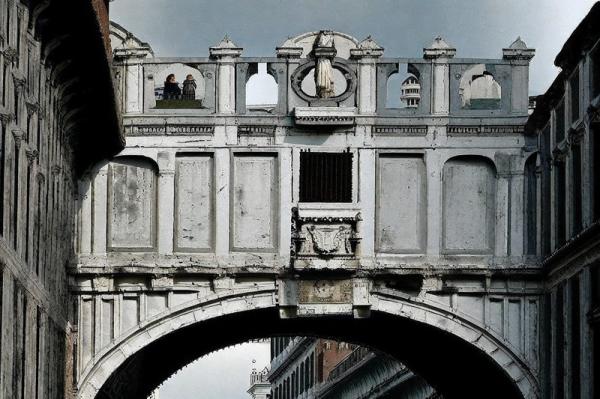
314	368
563	215
410	92
260	387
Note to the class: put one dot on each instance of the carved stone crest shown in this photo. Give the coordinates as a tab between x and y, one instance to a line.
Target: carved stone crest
325	238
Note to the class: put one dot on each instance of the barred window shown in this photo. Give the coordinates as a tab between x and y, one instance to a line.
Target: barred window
325	177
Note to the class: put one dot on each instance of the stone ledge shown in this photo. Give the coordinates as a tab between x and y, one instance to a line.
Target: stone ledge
325	116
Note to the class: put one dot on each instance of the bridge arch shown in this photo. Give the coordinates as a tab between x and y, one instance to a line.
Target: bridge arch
451	351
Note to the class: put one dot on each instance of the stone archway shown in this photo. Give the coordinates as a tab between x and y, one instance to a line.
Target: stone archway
454	354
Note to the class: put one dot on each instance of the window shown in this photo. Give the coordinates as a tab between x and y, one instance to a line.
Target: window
576	188
559	382
575	349
560	203
559	122
531	207
546	191
595	172
574	90
2	166
325	177
595	72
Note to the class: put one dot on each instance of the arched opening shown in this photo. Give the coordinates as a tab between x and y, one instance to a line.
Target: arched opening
479	89
339	83
403	88
179	86
261	91
456	367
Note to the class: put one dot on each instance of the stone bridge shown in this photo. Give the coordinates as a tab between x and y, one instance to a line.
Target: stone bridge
340	214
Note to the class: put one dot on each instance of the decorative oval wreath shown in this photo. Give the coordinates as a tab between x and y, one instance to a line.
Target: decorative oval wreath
338	63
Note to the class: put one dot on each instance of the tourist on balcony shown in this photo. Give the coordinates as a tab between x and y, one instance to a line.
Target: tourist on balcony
171	90
189	88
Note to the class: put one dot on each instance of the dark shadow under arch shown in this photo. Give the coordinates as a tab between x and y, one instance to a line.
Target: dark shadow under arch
451	365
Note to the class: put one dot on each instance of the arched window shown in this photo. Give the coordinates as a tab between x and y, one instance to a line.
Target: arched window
479	90
261	90
179	86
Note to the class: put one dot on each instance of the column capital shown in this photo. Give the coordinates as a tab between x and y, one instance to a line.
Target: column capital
367	49
439	49
225	50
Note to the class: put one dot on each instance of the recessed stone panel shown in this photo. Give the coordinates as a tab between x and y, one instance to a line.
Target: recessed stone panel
469	206
254	202
194	203
401	203
107	322
132	202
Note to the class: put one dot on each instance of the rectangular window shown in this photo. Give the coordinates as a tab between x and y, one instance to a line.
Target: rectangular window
8	5
575	338
325	177
574	90
559	195
531	206
576	189
559	122
546	192
596	72
596	326
15	204
2	168
19	39
595	172
559	344
4	82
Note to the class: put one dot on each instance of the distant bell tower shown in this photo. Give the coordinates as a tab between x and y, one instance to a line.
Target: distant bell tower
411	92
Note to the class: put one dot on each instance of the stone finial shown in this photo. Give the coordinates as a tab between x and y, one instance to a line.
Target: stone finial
367	48
289	49
439	49
225	48
518	50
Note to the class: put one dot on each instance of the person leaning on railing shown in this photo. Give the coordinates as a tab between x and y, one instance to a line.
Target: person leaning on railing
171	90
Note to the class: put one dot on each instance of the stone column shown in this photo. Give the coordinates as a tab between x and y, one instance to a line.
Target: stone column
132	76
439	52
434	166
519	56
99	209
292	56
166	197
366	181
225	53
222	166
367	53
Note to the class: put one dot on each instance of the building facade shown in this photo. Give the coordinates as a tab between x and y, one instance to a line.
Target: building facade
46	141
564	213
329	204
315	368
329	213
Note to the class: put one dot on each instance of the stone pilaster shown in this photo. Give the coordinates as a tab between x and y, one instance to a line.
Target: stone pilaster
519	56
439	52
367	53
225	53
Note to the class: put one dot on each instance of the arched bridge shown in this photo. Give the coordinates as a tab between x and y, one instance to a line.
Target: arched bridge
402	228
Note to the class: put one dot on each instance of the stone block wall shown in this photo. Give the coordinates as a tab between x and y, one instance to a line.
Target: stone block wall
37	207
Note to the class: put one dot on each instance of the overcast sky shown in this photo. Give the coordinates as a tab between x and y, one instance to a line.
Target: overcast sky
478	29
403	27
224	374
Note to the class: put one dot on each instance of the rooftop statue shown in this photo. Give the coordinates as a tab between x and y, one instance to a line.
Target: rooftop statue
324	52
